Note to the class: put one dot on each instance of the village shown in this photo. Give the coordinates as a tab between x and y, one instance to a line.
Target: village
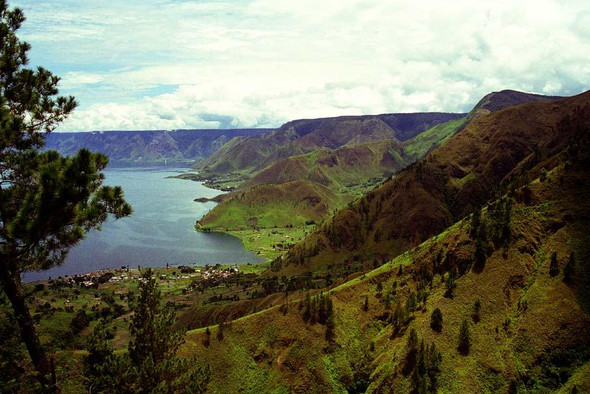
123	274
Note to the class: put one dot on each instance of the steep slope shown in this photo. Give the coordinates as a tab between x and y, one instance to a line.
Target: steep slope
489	154
528	322
298	137
148	147
420	145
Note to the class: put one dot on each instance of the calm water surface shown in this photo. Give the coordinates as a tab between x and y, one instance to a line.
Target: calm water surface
160	231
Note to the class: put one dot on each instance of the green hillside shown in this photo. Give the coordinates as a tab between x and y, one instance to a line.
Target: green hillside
529	332
269	206
341	169
432	138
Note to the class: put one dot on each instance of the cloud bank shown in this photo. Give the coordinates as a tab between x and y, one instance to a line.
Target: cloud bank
164	64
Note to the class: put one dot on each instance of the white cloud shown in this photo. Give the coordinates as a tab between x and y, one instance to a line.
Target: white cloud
175	64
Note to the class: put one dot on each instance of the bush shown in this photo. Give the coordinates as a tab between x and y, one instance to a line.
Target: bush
80	321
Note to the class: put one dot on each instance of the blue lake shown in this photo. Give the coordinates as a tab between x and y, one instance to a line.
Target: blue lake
160	231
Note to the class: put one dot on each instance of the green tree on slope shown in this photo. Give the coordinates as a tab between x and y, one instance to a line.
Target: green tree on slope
47	202
151	365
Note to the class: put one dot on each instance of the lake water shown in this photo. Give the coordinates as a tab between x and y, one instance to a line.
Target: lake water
160	231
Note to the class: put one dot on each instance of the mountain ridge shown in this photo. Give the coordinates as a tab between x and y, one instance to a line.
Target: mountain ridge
449	183
252	154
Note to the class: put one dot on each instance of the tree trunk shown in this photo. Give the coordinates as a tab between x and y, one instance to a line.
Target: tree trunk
14	291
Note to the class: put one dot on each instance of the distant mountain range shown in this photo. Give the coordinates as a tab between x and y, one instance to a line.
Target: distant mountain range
146	148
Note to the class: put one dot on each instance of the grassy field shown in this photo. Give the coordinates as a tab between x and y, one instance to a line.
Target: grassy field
54	303
269	243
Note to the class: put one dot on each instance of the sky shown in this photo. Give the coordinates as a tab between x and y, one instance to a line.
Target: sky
174	64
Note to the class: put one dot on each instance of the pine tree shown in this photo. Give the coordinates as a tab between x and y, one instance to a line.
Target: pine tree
12	357
434	359
421	361
366	304
207	340
399	318
151	325
411	302
330	321
417	382
436	320
322	308
151	364
476	310
475	223
569	271
220	331
411	352
47	202
479	256
451	283
554	265
379	287
306	315
101	366
464	338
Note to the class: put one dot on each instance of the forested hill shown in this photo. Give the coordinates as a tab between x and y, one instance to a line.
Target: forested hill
140	148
